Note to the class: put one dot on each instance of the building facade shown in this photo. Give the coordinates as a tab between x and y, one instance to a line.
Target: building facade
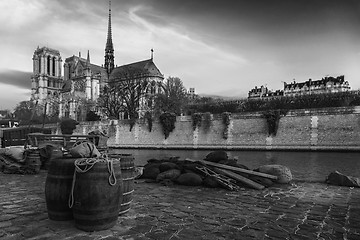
264	92
81	88
324	85
75	93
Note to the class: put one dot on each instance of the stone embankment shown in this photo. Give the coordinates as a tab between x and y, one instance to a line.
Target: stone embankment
328	129
296	211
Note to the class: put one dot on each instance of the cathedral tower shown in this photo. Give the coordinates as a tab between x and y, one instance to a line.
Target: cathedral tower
109	49
46	80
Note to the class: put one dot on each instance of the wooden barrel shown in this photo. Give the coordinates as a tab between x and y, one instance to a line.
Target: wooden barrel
96	195
127	171
32	160
58	187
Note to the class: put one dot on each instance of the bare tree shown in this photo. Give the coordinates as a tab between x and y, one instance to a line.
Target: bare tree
110	102
173	98
131	85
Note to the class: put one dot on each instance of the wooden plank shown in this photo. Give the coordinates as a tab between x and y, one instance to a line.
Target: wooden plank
235	169
240	178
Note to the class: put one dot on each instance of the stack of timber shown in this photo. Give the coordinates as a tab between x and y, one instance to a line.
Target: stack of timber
214	172
242	177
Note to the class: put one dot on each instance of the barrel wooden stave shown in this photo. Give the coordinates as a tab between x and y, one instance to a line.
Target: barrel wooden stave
96	202
33	161
127	170
58	187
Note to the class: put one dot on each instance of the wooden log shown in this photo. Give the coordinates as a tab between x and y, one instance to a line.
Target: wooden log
234	169
240	178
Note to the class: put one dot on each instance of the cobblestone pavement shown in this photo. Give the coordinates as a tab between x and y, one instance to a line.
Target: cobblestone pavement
297	211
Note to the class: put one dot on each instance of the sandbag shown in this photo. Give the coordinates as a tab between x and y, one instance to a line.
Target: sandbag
16	153
339	179
189	179
165	166
282	172
171	174
211	182
150	171
192	167
84	150
216	156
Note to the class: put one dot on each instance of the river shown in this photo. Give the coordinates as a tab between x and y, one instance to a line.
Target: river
305	166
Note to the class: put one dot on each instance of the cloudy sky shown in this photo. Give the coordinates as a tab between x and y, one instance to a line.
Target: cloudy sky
218	47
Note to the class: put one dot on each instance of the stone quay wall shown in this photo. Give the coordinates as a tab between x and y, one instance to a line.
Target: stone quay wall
336	129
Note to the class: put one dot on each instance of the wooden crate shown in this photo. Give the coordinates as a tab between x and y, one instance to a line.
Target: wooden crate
66	141
18	136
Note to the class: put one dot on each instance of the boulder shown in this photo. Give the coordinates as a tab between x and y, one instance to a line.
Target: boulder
282	172
189	179
216	156
339	179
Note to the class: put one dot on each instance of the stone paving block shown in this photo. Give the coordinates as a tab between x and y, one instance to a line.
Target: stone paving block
10	206
7	217
30	232
5	224
44	236
353	236
276	234
12	237
186	211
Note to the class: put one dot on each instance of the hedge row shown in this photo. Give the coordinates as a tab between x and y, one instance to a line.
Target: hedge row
217	106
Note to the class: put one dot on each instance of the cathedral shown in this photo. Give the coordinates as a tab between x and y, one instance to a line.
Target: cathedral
83	81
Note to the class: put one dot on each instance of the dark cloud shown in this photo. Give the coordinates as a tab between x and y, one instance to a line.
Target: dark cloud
270	20
16	78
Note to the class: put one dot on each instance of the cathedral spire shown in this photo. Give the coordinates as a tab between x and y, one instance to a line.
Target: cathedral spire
109	48
88	59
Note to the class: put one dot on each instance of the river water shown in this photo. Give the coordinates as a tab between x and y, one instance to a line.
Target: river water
305	166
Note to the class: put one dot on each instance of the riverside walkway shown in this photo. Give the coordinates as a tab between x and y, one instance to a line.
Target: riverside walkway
298	211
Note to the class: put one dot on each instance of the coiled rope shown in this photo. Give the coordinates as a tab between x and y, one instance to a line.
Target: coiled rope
83	165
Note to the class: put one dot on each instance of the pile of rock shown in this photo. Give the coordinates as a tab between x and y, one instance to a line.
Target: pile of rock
216	170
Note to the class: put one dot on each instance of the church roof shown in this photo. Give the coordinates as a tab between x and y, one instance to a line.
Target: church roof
146	68
95	69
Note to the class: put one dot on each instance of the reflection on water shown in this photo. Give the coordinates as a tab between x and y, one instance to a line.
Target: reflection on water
305	166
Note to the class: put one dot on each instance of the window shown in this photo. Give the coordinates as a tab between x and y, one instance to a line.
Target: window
53	66
48	65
